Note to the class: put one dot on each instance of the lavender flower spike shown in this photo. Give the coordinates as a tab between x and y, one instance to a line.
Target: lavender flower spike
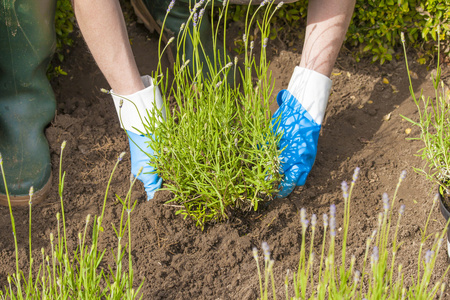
403	175
333	226
279	5
385	201
325	220
201	13
375	254
255	253
402	209
356	174
303	219
313	221
195	20
344	187
333	210
266	250
428	256
171	4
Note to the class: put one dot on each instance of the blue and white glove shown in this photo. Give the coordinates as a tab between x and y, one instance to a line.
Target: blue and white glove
302	108
132	112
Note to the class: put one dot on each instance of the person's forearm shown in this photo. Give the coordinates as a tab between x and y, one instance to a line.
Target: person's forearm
103	27
327	24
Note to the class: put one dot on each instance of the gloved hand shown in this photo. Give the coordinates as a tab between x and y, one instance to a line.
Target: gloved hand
132	112
139	158
299	120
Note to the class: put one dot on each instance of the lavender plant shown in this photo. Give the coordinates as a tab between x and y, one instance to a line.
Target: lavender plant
216	149
65	274
434	124
377	276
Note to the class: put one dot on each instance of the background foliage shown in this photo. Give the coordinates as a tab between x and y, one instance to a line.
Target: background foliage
376	26
64	22
374	31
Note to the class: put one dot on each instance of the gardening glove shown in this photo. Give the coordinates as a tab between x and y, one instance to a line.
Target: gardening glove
299	119
133	114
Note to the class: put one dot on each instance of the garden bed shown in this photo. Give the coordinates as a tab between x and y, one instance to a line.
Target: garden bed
362	127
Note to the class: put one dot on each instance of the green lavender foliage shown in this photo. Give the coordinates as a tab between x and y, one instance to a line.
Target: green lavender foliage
434	125
216	149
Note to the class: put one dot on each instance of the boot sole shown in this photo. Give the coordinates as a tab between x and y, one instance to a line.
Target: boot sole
24	200
150	23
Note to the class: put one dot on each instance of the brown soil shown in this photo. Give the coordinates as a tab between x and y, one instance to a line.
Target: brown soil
177	260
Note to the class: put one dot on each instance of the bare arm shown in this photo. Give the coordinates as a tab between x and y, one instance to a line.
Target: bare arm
327	25
103	27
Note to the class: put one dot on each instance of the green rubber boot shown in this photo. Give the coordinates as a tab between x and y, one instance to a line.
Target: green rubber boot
152	14
27	102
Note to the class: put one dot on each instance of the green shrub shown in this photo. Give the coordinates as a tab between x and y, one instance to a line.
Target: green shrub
376	26
64	21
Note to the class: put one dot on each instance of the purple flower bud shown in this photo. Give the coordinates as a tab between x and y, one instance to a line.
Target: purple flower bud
333	226
403	175
436	198
265	41
244	38
266	250
374	255
333	210
195	20
313	221
279	5
356	174
255	253
302	214
325	220
171	4
357	276
402	209
202	11
385	201
344	187
121	155
428	256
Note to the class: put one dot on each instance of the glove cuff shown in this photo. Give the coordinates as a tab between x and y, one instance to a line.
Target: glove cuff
312	90
133	111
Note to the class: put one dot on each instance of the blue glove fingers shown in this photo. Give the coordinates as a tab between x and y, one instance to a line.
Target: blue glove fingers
299	141
152	182
288	183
